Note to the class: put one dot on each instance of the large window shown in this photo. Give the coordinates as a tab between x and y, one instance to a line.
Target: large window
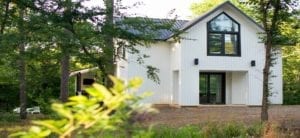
223	36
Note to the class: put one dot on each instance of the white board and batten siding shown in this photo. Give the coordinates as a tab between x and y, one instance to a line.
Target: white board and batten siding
160	58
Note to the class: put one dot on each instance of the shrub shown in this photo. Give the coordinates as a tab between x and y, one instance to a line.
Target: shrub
233	130
291	96
255	130
103	110
8	97
212	130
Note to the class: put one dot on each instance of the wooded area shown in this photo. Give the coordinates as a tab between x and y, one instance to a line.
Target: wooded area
41	42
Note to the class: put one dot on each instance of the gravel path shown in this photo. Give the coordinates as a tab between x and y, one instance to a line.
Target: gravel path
289	116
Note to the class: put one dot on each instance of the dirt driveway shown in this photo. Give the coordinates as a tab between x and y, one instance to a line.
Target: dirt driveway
174	116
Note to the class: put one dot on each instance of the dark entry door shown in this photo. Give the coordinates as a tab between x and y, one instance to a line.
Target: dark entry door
212	88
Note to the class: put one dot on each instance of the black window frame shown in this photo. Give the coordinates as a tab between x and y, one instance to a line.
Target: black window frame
223	33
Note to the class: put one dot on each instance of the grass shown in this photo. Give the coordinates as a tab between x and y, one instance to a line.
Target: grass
10	123
227	130
6	117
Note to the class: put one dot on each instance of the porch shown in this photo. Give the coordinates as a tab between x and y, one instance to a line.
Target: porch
212	88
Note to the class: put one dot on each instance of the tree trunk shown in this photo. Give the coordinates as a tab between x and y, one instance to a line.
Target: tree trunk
266	71
22	67
109	44
22	81
271	25
64	79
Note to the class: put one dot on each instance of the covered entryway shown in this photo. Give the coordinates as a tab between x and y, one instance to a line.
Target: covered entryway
212	88
223	87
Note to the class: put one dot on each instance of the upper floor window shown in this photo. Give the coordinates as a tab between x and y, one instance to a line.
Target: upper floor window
223	36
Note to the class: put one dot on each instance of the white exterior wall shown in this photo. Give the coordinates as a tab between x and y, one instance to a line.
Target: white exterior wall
175	65
160	58
239	85
276	82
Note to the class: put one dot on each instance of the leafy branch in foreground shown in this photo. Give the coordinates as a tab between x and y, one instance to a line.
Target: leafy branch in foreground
104	109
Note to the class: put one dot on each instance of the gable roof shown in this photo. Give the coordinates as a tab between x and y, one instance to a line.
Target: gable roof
200	18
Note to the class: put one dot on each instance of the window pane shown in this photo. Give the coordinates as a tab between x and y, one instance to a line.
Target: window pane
230	44
223	23
203	88
203	84
215	84
215	43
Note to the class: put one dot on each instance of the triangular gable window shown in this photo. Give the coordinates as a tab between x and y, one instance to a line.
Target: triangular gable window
223	36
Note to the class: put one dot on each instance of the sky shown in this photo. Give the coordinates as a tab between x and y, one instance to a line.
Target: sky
162	8
157	8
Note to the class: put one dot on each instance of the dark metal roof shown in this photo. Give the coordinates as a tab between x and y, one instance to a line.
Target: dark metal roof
177	25
161	34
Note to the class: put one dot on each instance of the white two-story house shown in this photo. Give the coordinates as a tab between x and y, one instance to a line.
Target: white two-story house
220	60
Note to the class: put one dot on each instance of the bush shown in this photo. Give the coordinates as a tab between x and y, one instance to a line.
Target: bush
255	130
291	97
233	130
8	97
103	110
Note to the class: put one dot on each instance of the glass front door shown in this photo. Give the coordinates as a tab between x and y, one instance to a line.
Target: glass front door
212	88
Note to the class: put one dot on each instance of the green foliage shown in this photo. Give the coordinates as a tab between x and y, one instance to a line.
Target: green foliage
7	93
233	130
199	8
291	74
182	132
214	130
255	130
204	6
103	110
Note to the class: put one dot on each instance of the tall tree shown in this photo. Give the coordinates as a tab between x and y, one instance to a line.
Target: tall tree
16	30
22	64
271	14
108	38
65	51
